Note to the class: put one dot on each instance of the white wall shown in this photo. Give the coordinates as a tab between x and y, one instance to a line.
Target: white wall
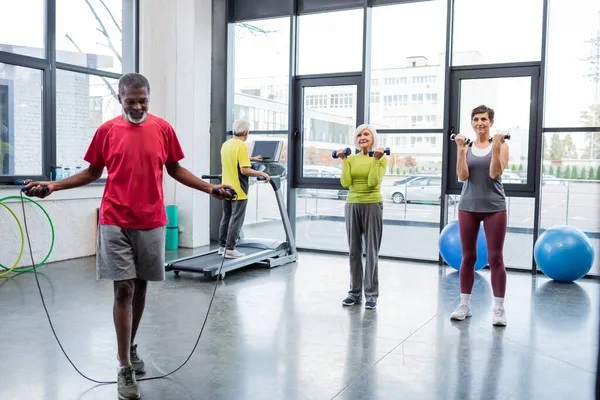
176	57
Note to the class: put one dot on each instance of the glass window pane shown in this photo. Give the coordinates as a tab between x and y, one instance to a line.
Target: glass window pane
261	77
21	110
329	122
263	218
573	64
83	103
407	84
22	27
492	31
330	42
571	184
320	212
99	37
510	98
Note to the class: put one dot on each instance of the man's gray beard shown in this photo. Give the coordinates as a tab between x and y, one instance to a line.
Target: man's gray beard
136	121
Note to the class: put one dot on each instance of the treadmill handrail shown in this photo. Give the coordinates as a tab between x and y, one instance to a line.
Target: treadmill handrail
217	177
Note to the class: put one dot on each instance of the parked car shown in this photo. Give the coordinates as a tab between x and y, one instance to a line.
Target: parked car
321	171
424	189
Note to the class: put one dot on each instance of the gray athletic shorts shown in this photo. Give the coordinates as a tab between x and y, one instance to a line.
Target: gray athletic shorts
130	253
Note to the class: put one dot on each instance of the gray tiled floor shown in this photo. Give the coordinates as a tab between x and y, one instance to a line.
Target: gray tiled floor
283	334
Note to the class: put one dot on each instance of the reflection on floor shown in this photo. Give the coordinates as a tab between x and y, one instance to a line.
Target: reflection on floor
400	241
283	334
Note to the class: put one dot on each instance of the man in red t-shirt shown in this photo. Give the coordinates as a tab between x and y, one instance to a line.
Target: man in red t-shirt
133	147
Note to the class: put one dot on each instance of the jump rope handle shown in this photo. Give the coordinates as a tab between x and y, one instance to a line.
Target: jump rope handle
229	193
24	189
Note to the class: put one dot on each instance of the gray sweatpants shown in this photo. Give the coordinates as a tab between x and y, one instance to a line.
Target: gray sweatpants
364	220
234	212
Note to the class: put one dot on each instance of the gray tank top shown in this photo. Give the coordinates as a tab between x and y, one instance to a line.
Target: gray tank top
480	193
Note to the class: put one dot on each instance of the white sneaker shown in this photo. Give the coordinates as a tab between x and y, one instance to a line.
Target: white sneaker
499	317
233	254
221	250
127	387
462	311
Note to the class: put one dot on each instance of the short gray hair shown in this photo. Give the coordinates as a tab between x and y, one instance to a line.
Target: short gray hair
361	128
240	127
133	81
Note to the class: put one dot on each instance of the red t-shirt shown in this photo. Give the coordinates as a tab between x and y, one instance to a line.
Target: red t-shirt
134	156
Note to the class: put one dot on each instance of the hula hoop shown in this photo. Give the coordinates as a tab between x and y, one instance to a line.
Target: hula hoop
9	270
51	228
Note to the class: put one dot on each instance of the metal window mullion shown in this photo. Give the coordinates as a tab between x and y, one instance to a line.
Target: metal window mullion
49	141
539	135
447	122
294	144
87	71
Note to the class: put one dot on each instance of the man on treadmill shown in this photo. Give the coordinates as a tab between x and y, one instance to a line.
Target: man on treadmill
237	168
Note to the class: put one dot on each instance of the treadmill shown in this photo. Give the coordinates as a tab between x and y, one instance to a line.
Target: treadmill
264	252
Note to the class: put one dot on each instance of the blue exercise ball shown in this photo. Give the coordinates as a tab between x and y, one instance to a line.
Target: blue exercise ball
564	253
451	250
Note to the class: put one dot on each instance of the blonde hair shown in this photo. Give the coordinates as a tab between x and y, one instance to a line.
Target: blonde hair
362	128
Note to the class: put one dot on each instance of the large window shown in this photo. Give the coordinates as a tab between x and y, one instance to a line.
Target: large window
330	42
397	65
94	38
573	66
494	31
21	93
571	184
43	102
83	103
22	27
407	77
261	77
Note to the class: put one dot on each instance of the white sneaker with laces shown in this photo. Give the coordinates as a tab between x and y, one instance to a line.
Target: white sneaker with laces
221	250
462	311
233	254
499	316
127	387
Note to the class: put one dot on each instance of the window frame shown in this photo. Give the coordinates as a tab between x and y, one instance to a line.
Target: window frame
48	65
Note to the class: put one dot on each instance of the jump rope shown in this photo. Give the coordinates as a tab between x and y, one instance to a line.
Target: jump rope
229	194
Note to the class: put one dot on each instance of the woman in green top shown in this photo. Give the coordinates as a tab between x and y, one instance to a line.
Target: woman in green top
364	214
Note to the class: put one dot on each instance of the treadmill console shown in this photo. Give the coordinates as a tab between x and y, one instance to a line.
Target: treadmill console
270	150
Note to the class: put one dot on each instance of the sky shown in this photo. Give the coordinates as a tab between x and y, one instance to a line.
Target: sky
502	31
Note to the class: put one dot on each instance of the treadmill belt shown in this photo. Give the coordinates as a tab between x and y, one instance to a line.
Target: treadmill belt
209	261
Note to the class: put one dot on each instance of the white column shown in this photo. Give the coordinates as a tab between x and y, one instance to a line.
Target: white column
175	56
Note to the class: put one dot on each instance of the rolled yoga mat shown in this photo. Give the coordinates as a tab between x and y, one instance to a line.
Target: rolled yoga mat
172	242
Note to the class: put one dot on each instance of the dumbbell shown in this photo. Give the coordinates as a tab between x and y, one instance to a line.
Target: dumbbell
386	152
229	193
347	152
469	142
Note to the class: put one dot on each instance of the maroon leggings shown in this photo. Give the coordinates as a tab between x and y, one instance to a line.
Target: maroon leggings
494	226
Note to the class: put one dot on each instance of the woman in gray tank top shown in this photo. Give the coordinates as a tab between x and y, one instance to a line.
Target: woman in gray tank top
480	166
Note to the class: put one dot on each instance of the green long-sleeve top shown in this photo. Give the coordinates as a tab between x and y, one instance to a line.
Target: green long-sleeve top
363	175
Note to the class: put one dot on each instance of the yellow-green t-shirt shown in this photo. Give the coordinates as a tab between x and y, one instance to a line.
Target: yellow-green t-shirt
234	157
363	175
